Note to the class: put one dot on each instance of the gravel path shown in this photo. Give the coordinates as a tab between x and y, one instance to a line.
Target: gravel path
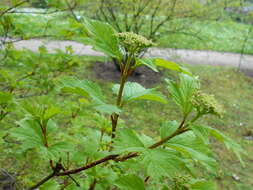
184	56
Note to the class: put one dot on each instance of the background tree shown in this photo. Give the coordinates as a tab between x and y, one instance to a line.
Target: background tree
147	17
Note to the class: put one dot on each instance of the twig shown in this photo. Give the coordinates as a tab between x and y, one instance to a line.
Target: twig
93	184
159	25
92	164
42	181
71	10
56	170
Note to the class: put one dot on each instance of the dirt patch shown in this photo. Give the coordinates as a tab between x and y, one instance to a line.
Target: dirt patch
143	75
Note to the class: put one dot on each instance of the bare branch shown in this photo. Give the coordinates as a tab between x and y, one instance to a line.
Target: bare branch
42	181
159	25
71	9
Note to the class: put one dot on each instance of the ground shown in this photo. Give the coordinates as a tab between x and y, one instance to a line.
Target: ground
109	72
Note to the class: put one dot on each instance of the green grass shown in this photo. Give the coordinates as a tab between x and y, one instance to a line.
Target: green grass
223	36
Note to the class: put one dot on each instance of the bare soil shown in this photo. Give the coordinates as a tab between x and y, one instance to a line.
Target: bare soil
143	75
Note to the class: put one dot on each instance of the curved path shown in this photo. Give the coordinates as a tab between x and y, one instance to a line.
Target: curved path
179	55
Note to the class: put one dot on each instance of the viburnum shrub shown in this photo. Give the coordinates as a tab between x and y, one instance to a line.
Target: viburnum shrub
114	156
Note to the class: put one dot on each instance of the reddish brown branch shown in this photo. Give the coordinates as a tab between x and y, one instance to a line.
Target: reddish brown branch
42	181
114	157
57	169
92	164
120	158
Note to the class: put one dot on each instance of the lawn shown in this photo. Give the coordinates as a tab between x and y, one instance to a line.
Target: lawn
223	36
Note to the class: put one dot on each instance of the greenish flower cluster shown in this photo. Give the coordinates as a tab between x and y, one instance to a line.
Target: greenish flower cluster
207	104
180	182
134	42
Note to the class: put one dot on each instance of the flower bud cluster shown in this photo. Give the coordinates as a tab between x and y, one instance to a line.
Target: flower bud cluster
134	42
207	104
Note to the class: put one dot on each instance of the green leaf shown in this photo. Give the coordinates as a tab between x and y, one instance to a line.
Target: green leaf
5	97
127	140
201	132
90	144
192	146
51	112
162	162
40	109
168	128
102	37
146	140
33	109
29	133
130	182
183	92
229	143
106	108
170	65
88	89
59	148
81	87
50	185
56	151
134	91
147	62
202	185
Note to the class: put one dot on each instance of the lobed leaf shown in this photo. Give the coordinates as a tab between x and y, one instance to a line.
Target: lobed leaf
147	62
50	185
29	133
229	143
171	66
81	87
162	162
130	182
88	89
192	146
202	185
51	112
134	91
183	92
102	37
5	97
106	108
201	132
168	128
127	140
